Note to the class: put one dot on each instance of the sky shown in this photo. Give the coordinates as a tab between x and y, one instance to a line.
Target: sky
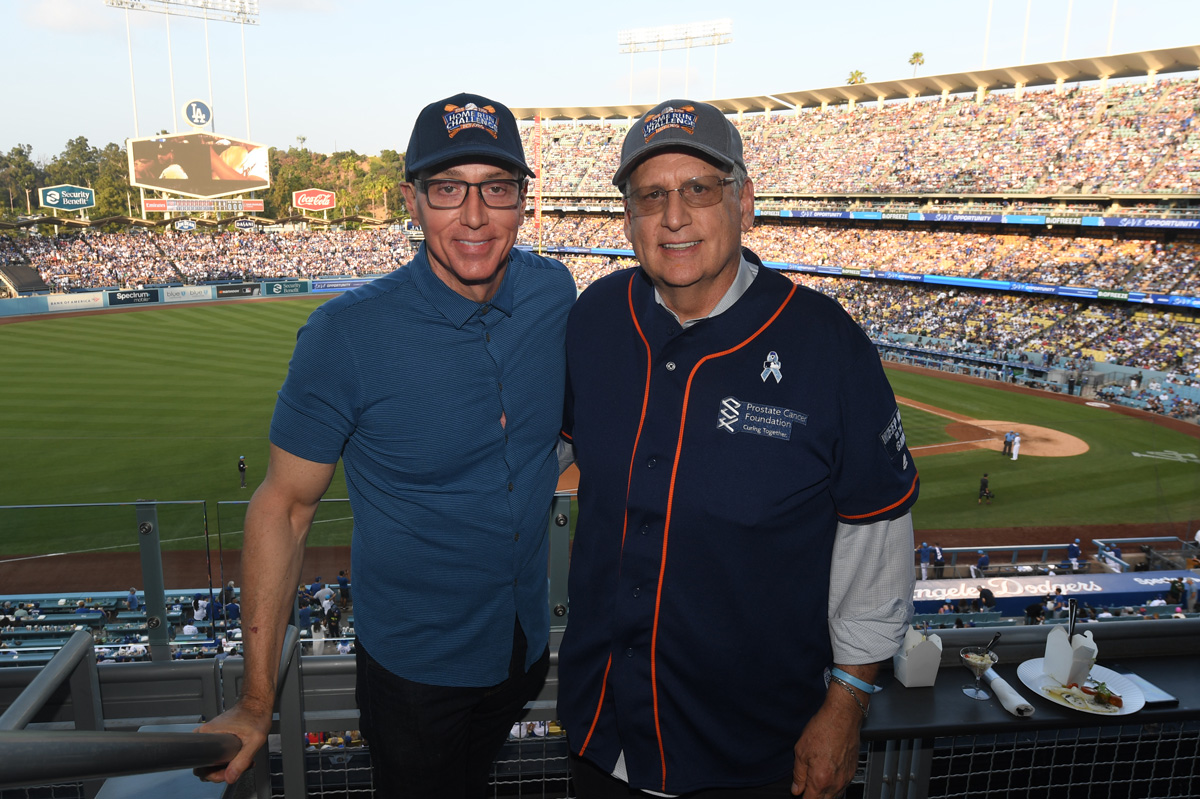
353	75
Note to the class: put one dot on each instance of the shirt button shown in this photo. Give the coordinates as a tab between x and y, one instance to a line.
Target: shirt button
629	652
516	536
637	592
487	337
651	462
645	529
500	385
670	366
510	486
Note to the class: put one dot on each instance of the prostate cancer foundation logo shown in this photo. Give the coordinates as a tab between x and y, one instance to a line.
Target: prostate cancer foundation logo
683	118
459	118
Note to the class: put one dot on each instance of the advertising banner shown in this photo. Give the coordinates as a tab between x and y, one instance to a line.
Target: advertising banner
238	290
1024	219
282	288
133	297
66	197
185	224
160	205
187	293
314	200
244	224
338	285
198	164
75	302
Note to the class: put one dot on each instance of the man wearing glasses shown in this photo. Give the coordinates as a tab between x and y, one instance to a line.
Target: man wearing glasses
440	387
743	555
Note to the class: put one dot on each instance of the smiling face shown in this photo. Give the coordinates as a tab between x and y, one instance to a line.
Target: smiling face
468	246
691	254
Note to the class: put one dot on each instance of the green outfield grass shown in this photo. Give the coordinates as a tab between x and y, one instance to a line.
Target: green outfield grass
1107	484
158	405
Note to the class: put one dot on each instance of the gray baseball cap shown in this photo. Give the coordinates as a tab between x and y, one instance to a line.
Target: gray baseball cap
681	123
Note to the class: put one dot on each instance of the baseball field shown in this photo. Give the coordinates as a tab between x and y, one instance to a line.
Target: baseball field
158	404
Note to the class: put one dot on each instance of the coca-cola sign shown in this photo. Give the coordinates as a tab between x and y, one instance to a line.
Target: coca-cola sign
314	199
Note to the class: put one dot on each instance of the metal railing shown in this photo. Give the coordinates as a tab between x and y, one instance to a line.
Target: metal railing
89	753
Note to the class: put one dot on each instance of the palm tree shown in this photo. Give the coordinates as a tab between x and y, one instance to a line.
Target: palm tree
918	59
856	77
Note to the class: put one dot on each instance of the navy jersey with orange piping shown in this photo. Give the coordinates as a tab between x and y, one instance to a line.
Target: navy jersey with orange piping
715	463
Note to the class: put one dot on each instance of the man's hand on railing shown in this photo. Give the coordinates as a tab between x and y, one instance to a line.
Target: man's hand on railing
250	723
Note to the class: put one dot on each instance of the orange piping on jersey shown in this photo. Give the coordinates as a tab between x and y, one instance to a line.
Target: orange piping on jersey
662	566
898	502
600	704
645	402
628	483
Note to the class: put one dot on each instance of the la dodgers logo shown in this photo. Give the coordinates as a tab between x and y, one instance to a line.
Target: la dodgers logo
459	118
772	366
683	118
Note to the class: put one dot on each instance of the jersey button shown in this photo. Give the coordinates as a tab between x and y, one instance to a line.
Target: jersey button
670	366
629	652
651	463
645	529
637	592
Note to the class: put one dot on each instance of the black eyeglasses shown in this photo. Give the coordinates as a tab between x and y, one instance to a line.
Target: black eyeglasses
447	194
697	193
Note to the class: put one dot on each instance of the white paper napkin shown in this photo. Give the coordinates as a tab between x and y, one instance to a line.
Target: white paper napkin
1013	702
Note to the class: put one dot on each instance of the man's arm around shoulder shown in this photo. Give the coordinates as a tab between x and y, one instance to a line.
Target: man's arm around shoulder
277	524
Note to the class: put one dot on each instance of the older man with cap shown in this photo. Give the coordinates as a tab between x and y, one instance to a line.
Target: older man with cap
742	560
440	388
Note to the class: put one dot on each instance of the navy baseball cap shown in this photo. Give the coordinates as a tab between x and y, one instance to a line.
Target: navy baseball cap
681	123
462	127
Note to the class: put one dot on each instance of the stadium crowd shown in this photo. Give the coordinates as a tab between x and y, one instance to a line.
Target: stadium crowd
1121	138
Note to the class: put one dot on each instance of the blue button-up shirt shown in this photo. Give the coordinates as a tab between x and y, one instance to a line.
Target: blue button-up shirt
407	381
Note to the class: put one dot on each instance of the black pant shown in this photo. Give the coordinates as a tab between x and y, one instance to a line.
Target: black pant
595	783
437	741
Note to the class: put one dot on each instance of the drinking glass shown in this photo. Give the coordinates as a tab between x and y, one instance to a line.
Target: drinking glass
978	659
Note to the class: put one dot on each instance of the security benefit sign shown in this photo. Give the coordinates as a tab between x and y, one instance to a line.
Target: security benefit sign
198	164
67	197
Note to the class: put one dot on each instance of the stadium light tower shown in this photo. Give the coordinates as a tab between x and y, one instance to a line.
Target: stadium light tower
675	37
242	12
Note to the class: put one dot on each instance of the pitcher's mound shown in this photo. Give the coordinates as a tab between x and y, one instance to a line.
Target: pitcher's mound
1040	441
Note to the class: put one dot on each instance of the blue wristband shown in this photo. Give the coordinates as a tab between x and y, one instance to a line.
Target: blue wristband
865	687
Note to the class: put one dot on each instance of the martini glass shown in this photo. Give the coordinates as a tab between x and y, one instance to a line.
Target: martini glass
978	659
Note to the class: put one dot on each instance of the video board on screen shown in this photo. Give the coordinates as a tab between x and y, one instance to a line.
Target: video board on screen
198	164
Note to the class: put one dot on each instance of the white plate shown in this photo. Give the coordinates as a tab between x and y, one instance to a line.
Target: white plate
1033	674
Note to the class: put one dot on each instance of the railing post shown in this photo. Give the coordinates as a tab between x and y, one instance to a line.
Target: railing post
560	558
291	726
153	586
84	684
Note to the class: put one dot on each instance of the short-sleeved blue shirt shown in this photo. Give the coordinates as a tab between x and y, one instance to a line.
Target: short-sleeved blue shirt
406	381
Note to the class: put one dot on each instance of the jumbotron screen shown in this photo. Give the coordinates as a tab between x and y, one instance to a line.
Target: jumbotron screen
198	164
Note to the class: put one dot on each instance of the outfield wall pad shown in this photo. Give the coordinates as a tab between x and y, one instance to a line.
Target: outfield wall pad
159	295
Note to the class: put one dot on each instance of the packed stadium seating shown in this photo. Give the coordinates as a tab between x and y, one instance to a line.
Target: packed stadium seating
954	155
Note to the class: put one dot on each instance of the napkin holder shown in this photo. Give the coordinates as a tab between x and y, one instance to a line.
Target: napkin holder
916	664
1069	661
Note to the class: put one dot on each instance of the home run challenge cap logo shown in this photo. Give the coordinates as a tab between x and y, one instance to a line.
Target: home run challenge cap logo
683	118
459	118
